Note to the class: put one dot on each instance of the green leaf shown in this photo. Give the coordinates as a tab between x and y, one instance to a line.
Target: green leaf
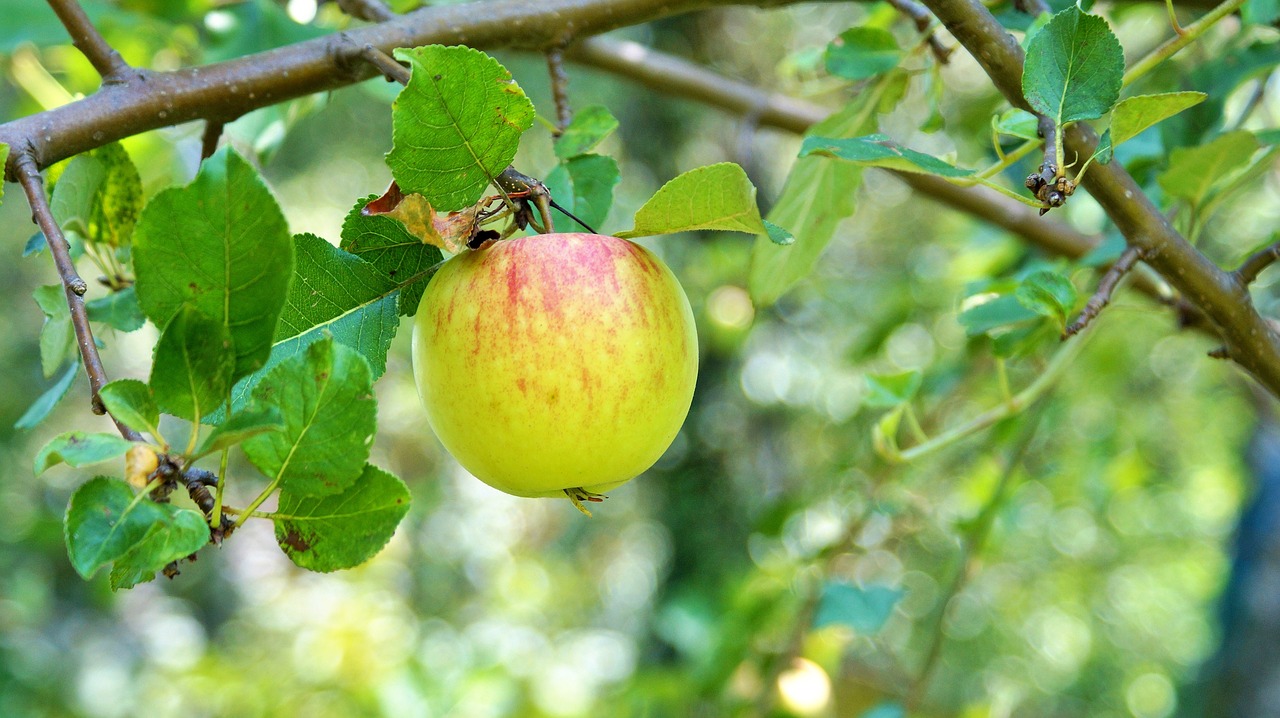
862	52
241	426
35	244
584	186
180	534
118	310
778	235
879	151
884	435
325	396
4	158
337	293
1074	68
194	361
456	125
718	197
401	257
1135	114
45	403
865	610
329	533
817	195
105	522
119	201
75	193
1193	171
589	127
57	335
1105	150
1260	12
1024	339
132	404
889	390
998	313
1017	123
77	448
221	245
1048	294
99	196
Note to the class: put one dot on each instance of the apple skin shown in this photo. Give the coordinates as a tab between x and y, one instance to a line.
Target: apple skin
555	361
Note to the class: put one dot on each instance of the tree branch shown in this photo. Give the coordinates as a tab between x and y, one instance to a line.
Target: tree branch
1102	297
1249	339
371	10
90	42
209	139
386	63
1249	270
923	21
559	88
233	88
74	286
674	76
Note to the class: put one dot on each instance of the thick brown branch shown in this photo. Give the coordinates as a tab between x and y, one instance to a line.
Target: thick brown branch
371	10
1249	270
1250	340
90	42
674	76
1106	287
236	87
33	186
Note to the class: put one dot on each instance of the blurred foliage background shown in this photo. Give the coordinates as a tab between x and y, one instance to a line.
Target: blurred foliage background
1076	560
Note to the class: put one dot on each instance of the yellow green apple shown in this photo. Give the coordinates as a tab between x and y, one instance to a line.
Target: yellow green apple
555	364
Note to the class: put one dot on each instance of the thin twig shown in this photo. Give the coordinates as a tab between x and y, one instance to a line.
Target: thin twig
1010	407
386	63
1170	47
1106	287
1250	268
919	15
75	287
209	141
559	89
370	10
104	58
1049	184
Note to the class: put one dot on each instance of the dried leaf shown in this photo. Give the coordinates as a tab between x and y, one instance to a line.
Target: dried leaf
449	232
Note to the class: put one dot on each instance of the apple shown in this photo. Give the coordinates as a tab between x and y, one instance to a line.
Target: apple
555	364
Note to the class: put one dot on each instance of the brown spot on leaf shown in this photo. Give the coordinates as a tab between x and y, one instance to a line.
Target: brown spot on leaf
295	541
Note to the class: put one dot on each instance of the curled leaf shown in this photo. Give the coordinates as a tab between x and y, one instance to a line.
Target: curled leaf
450	232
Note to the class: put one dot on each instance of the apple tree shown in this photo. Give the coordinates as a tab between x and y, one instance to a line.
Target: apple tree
982	317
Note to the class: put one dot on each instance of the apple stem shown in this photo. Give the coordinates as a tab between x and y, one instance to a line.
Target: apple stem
578	494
